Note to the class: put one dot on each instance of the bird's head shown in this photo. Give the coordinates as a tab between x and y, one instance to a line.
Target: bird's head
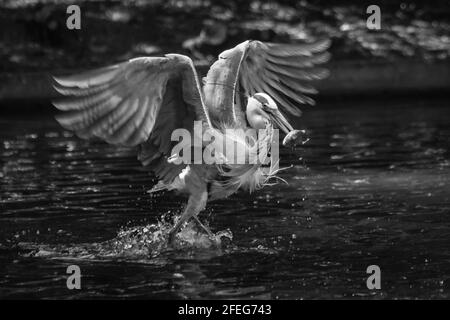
262	109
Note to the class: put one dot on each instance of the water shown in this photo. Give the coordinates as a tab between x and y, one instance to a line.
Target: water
372	187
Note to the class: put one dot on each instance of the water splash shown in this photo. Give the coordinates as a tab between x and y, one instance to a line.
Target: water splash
134	243
151	240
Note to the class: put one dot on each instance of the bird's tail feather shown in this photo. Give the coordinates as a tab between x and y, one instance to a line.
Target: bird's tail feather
160	186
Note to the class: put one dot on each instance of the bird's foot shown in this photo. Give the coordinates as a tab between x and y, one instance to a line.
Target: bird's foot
172	237
214	238
205	228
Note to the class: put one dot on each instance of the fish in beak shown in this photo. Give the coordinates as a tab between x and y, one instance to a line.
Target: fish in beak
261	106
293	137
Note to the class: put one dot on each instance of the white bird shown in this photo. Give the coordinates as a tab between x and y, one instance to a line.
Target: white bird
140	103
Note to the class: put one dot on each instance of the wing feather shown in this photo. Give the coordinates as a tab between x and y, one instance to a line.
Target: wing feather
132	103
283	71
296	49
300	61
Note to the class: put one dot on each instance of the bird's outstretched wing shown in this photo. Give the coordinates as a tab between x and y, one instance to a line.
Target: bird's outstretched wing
283	71
138	102
121	103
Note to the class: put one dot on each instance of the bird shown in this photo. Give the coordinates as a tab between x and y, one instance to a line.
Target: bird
140	102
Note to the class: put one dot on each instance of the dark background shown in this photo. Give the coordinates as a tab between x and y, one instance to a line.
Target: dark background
409	54
371	187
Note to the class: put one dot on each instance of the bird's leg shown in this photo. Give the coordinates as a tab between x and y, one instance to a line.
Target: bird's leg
196	203
205	228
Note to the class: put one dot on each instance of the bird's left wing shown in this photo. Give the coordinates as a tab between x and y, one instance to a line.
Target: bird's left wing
283	71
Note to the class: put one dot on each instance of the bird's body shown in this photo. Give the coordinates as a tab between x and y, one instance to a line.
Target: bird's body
142	101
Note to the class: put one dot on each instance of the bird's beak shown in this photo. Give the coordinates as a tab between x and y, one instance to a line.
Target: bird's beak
281	121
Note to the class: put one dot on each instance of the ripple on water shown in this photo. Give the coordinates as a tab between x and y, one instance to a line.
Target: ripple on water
373	189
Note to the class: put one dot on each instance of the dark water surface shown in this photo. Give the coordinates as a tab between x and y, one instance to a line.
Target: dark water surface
372	187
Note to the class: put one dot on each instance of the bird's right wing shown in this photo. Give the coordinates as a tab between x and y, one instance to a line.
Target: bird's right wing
121	103
138	102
